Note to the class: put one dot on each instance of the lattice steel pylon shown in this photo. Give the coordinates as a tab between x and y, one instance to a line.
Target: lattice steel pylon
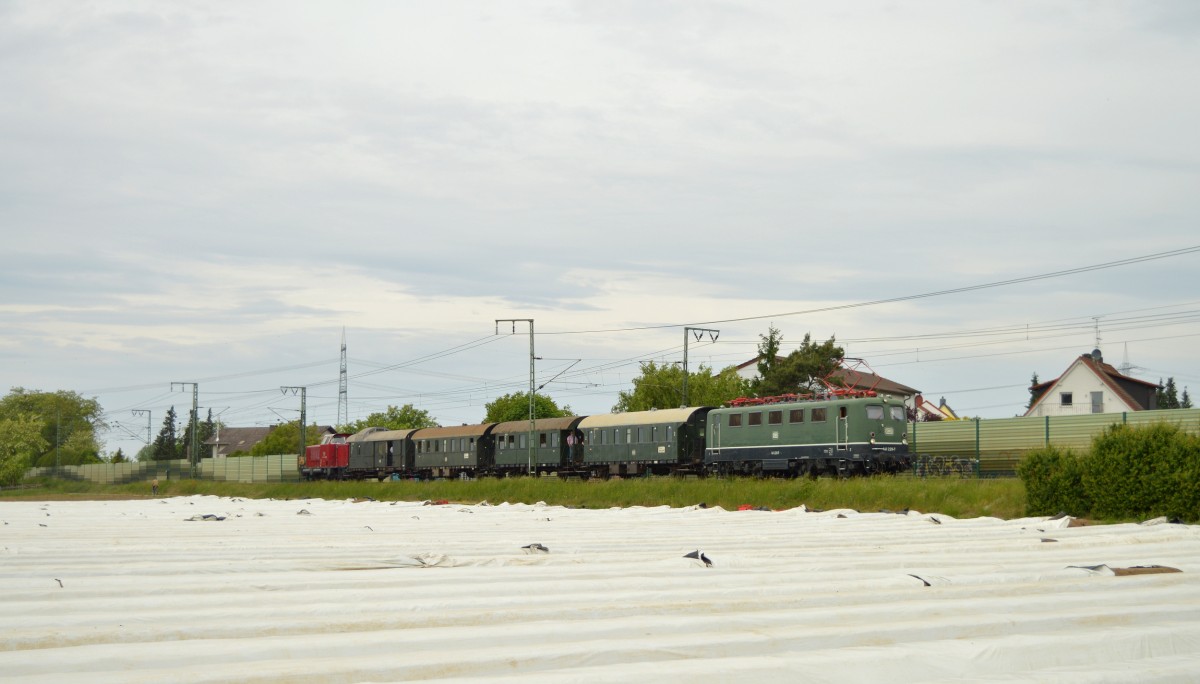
343	400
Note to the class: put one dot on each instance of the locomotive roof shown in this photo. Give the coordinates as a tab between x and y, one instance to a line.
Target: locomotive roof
830	400
680	415
565	423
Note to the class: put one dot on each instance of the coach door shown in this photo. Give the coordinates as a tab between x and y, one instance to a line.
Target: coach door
715	446
842	426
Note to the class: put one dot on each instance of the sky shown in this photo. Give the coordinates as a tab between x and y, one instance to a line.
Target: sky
962	193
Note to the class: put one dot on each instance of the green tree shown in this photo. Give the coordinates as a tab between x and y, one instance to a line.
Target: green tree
515	406
1168	395
661	387
768	350
166	444
1185	401
118	457
799	371
406	417
205	429
70	424
285	439
20	442
1033	382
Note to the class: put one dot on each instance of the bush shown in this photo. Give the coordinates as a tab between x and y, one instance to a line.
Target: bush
1130	473
1144	472
1052	479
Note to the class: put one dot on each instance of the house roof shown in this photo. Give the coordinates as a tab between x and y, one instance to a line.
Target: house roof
234	439
1110	376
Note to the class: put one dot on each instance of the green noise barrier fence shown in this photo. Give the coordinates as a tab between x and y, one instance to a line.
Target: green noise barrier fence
276	468
992	447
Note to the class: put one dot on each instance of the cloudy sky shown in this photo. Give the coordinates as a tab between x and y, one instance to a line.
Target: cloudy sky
211	193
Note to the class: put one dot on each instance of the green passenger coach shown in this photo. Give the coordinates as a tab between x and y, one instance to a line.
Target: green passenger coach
644	442
837	436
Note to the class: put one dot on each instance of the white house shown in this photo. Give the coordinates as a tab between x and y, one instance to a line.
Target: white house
1091	386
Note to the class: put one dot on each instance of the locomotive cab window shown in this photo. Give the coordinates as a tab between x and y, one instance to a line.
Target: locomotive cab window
897	413
874	412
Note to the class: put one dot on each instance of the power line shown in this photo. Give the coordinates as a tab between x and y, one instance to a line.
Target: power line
906	298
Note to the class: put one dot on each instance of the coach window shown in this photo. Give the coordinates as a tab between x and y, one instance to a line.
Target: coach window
668	434
554	439
774	417
639	436
874	412
541	439
818	415
796	416
521	443
471	444
735	420
653	433
755	418
629	436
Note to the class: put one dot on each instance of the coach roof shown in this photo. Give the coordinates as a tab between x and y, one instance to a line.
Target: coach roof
680	415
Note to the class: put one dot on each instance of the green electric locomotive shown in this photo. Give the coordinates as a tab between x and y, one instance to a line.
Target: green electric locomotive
835	435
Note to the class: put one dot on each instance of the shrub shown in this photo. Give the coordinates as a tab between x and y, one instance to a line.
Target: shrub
1144	471
1052	479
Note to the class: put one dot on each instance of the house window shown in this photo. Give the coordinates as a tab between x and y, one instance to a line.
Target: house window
1097	402
1067	399
796	416
774	417
735	420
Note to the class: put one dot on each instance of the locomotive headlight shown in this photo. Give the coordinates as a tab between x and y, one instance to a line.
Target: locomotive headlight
904	439
872	438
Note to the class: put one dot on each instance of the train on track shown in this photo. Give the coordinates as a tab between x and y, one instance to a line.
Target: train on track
841	433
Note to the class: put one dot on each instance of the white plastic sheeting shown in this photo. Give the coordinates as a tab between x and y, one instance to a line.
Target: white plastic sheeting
341	591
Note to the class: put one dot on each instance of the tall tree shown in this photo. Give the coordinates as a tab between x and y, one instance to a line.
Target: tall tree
515	406
768	350
1168	395
285	439
1033	382
20	442
1185	402
70	424
406	417
204	430
166	444
801	370
661	387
